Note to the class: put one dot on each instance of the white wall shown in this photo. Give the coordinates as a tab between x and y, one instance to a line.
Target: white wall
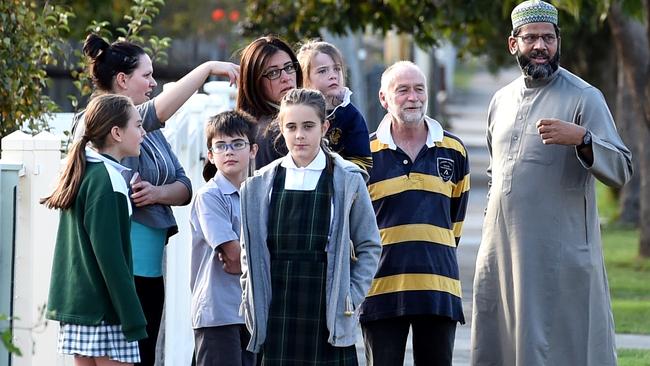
35	233
185	132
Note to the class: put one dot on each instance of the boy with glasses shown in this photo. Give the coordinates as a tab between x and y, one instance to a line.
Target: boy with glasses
219	331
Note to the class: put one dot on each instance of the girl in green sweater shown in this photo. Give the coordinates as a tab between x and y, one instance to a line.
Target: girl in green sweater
92	293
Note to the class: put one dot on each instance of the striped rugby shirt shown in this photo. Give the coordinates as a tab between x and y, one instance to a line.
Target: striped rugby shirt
420	208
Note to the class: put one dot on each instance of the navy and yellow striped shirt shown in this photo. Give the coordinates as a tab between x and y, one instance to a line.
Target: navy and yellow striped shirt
420	207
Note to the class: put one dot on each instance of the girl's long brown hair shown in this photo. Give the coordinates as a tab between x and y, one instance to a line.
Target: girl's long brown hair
102	114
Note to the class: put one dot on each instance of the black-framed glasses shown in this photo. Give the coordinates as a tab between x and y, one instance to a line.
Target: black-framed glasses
532	38
275	73
222	147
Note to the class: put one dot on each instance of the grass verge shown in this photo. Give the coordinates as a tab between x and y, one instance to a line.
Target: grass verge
633	357
629	280
629	275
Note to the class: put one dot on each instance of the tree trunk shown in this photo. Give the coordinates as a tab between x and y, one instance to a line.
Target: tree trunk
632	43
644	243
627	122
646	98
644	163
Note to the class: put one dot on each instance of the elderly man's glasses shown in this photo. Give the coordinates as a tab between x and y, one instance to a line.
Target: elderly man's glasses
532	38
222	147
275	73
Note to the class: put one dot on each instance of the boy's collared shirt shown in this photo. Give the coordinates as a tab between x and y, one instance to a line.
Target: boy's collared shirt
214	220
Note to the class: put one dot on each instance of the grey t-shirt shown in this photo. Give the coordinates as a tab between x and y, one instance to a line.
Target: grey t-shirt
214	220
147	111
157	164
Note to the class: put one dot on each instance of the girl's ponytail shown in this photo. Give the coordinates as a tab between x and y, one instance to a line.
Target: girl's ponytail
68	186
103	113
329	158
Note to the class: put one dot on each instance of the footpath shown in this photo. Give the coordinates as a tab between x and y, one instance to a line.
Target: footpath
467	112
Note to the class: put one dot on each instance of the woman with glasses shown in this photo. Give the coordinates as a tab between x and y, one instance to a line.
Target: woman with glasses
269	69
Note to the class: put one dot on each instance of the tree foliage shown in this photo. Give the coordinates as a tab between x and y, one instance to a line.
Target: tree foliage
200	18
590	30
469	24
137	24
35	36
7	338
476	27
31	38
178	18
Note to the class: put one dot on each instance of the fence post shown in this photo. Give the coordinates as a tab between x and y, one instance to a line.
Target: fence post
185	133
36	228
8	186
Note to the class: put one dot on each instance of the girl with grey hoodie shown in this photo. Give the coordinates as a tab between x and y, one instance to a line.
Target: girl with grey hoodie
310	245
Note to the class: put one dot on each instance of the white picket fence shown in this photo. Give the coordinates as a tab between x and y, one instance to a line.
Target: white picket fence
36	227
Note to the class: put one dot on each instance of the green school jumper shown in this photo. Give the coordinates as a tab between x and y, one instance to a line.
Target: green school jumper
92	270
298	230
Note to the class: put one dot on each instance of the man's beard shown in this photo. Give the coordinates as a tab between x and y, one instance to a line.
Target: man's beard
535	70
413	117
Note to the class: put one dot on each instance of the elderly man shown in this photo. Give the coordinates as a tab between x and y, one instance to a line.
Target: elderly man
419	188
540	289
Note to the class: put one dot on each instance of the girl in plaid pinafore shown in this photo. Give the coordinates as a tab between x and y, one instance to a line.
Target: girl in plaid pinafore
300	233
298	230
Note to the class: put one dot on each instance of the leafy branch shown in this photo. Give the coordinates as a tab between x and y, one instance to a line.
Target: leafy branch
7	336
138	21
32	37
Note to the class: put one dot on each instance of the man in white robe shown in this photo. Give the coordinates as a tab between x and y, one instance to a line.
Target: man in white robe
540	291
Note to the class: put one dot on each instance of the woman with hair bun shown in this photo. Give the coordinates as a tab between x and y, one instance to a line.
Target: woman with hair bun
158	181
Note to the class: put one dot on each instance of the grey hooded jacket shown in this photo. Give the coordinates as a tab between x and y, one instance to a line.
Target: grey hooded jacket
352	257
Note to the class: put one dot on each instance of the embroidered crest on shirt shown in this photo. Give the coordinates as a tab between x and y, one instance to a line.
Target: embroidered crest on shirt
334	136
445	169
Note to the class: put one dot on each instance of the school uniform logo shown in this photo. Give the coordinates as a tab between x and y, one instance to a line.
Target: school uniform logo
334	135
445	169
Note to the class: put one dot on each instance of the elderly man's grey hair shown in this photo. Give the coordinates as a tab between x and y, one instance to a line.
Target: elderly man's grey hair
388	77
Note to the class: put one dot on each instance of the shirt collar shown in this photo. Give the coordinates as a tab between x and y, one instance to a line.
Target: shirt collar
224	184
318	163
346	100
95	157
435	132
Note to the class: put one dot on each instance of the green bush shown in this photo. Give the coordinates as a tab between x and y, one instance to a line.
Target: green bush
137	22
32	37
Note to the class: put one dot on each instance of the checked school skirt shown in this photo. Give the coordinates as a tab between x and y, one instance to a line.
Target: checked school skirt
97	341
